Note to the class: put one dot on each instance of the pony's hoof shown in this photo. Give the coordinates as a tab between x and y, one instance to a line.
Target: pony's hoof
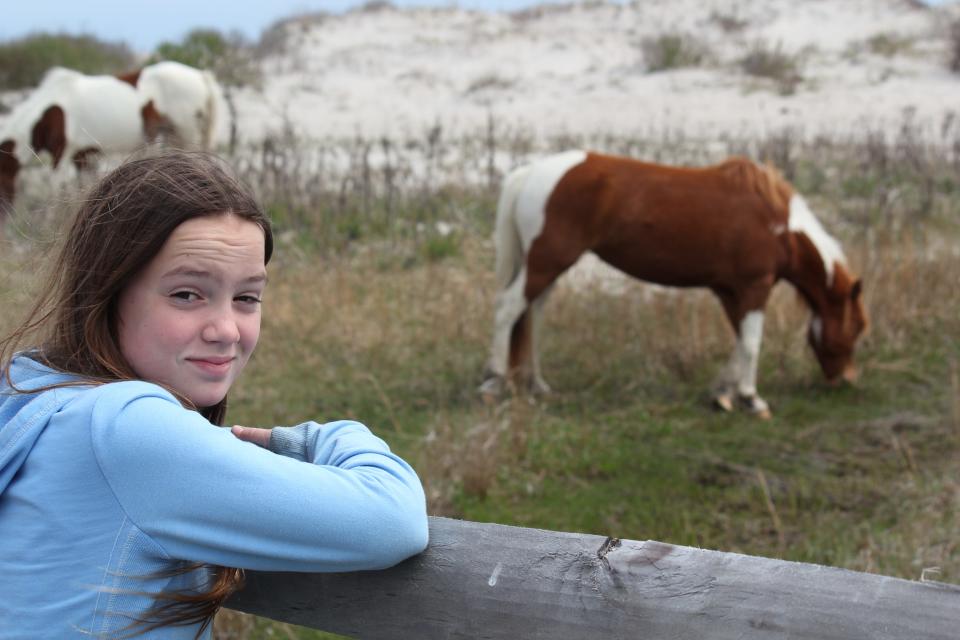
492	388
539	387
723	402
757	406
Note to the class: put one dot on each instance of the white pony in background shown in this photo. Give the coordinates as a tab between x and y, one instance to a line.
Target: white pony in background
77	116
69	115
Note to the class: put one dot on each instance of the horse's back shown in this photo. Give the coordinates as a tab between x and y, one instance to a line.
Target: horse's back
103	112
99	111
622	191
58	76
678	226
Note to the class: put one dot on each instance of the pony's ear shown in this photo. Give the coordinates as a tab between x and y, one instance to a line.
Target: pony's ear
856	290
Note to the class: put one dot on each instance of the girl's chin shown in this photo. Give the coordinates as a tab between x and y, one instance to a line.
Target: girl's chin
206	400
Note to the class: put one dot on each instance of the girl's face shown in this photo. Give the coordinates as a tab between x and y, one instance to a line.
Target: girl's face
191	318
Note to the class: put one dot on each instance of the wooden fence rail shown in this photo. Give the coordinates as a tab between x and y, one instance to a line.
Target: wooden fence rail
493	581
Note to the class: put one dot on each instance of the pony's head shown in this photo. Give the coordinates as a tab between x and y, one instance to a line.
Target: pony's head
9	167
835	328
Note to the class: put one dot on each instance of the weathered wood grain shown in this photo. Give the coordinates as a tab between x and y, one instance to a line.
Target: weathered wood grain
494	581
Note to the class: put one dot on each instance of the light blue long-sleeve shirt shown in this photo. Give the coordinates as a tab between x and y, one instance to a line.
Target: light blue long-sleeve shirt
103	487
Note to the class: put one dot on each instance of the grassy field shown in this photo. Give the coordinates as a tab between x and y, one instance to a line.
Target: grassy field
374	314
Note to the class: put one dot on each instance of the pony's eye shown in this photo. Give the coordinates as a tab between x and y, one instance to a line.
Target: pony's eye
816	329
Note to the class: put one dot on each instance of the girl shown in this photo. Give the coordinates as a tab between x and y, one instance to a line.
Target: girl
124	508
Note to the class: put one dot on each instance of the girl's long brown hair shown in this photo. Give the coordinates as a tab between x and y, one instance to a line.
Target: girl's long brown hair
120	226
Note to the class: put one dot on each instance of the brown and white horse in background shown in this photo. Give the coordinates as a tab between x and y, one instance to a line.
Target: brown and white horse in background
77	116
735	228
69	115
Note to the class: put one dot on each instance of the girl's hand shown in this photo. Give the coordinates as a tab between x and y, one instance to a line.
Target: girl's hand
260	437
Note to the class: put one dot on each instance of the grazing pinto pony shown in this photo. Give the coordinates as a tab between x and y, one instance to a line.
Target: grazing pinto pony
181	103
735	228
77	116
69	115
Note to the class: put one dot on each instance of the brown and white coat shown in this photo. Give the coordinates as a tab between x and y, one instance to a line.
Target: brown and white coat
735	228
76	116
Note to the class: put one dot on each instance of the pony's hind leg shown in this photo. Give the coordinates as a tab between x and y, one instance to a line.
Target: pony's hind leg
509	316
538	385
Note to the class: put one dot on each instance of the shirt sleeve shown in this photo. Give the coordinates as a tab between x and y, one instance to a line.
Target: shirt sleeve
343	502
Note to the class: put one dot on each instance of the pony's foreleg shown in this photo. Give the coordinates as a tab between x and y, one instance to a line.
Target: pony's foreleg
738	380
725	388
510	307
751	335
745	360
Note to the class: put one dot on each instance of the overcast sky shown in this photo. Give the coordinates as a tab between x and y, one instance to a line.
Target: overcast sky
143	24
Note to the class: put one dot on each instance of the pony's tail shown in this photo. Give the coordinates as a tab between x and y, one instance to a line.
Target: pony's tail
506	235
212	104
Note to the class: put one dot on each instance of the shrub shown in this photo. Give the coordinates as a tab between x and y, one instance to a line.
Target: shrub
24	61
489	81
229	57
672	51
375	6
888	44
438	246
729	22
774	63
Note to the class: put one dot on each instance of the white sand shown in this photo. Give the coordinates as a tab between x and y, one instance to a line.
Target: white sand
581	68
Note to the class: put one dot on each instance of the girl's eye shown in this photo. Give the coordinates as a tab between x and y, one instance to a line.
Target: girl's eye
186	296
248	299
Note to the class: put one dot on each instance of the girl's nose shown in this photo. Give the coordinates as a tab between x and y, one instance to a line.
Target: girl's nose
221	329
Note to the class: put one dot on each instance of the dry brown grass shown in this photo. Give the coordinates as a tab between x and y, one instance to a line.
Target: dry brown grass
395	330
378	329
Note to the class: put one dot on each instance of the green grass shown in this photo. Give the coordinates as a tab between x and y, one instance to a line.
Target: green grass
627	445
370	316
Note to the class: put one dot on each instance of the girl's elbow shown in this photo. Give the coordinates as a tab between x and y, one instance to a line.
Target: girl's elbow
410	536
420	536
415	525
406	524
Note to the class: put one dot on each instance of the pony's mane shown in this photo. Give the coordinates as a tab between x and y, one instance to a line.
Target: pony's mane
772	187
803	221
765	181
